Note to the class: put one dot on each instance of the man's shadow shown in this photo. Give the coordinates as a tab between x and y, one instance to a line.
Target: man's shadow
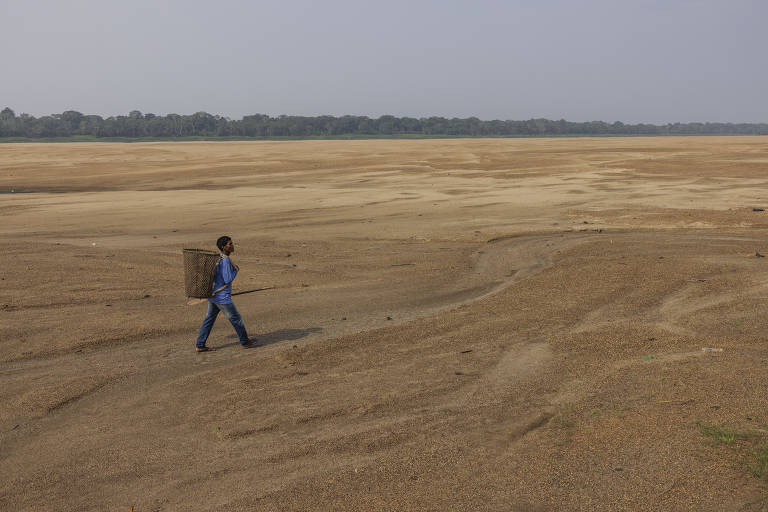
276	336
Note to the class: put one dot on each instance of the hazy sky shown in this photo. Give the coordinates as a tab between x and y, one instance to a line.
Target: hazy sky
632	61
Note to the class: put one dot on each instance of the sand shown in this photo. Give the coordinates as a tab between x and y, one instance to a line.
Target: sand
493	324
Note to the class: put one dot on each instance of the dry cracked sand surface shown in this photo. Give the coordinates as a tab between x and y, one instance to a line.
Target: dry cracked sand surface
455	325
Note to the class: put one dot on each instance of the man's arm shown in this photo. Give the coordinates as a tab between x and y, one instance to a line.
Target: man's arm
228	272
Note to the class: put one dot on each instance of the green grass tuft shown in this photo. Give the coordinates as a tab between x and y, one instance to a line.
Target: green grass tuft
751	447
759	466
721	434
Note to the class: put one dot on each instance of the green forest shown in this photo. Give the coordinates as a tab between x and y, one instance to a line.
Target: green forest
135	125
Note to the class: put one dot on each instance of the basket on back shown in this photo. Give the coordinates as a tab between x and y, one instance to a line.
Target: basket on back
199	271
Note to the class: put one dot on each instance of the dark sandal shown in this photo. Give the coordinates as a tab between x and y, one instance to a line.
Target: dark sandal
206	349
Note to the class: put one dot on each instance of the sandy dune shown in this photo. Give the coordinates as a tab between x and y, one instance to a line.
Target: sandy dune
455	325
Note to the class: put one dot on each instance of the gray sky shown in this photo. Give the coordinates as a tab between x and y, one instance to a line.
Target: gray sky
631	61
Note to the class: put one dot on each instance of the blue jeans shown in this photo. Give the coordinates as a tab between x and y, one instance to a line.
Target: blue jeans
230	311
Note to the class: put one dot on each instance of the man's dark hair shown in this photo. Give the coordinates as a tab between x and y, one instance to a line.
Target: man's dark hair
222	241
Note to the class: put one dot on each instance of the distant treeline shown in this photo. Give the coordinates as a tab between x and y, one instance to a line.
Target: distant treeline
202	124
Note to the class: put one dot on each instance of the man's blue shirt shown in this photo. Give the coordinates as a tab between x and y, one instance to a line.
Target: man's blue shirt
225	274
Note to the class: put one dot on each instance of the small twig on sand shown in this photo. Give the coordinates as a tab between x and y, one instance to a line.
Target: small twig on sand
678	402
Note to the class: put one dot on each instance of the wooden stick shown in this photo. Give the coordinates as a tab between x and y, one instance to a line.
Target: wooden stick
192	302
254	290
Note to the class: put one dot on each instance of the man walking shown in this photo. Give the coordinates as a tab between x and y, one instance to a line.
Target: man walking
222	299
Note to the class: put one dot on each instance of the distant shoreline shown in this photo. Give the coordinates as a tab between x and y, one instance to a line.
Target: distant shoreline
72	126
16	140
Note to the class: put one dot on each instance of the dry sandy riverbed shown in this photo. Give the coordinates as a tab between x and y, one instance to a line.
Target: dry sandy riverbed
456	325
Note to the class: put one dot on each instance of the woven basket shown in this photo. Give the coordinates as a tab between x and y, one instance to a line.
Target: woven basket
199	271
